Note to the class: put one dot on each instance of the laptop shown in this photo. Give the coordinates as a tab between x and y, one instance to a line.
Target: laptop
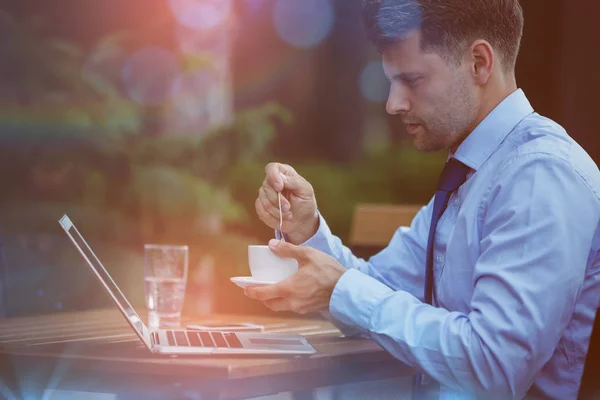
180	341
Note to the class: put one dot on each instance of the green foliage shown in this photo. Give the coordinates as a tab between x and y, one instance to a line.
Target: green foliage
256	129
54	82
35	217
178	202
211	155
171	182
80	146
396	175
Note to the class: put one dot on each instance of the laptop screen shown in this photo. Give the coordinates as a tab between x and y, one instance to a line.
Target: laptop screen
106	280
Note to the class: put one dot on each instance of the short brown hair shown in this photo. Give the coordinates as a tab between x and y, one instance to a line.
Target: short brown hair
447	26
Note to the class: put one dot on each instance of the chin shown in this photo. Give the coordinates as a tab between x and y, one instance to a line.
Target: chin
426	146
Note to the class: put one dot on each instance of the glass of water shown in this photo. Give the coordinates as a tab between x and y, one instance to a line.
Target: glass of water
165	277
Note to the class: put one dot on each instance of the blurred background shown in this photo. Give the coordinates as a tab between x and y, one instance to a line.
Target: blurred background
151	121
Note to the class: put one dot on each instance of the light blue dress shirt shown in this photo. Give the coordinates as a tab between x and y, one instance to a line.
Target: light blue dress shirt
516	268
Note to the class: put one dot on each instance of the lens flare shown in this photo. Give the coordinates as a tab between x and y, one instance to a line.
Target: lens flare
201	14
193	83
198	43
254	5
191	99
374	86
148	75
303	23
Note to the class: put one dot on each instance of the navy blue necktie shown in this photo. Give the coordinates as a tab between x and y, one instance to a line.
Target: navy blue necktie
453	176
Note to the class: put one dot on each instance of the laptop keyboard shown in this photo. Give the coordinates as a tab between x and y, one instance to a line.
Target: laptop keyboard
203	339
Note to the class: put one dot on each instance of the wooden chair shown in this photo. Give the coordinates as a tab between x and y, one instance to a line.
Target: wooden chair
373	225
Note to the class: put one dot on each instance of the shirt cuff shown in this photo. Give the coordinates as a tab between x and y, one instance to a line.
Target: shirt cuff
355	298
320	237
322	232
320	240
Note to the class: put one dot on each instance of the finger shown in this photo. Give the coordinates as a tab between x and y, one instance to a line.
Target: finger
264	293
274	195
267	205
270	191
288	250
277	305
286	305
282	176
275	175
286	206
264	216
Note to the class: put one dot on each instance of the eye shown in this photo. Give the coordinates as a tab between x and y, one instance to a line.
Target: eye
411	81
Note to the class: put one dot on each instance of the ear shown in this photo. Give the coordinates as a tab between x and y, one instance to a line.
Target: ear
483	61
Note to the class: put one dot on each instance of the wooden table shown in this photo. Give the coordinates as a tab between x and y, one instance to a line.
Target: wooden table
96	351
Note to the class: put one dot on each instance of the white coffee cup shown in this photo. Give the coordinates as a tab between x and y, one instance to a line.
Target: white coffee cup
268	266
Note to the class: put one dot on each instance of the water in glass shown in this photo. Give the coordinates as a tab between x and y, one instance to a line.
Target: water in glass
165	280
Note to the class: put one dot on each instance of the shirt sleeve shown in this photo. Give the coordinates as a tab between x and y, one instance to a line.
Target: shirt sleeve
538	224
401	265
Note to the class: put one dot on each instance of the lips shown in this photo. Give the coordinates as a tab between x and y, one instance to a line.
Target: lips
412	128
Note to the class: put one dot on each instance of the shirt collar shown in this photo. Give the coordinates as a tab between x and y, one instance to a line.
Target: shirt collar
492	131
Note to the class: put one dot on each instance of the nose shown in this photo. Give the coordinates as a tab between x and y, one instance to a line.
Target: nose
398	102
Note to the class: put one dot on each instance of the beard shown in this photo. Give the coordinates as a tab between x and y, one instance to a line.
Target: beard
450	120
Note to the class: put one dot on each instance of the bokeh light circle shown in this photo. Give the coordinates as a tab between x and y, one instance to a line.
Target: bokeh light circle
201	14
148	75
303	23
190	108
105	62
197	43
374	86
193	83
255	5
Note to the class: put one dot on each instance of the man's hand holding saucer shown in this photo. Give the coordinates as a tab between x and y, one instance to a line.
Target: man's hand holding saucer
307	290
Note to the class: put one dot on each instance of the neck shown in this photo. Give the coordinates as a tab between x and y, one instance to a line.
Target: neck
498	90
493	94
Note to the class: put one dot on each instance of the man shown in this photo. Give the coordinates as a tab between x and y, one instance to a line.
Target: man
498	302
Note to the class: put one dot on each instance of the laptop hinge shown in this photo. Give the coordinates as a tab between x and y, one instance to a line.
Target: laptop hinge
154	340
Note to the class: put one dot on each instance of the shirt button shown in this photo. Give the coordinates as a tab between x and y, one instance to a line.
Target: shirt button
456	202
439	258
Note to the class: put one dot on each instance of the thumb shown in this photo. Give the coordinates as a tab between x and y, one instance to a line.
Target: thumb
283	176
295	183
287	250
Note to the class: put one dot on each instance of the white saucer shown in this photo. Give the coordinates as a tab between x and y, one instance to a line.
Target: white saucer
248	281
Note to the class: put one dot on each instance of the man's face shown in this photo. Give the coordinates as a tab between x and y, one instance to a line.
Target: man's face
436	101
